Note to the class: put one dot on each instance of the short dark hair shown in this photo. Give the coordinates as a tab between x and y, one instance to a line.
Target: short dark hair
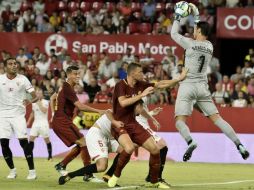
132	66
205	28
71	68
6	60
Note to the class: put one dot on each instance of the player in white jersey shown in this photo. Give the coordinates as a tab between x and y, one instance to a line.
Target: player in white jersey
13	91
143	121
40	125
198	54
99	143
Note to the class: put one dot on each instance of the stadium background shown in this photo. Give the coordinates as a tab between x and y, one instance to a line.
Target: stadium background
45	36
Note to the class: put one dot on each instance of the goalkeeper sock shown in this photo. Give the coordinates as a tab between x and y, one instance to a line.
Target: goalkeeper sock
227	130
92	168
183	130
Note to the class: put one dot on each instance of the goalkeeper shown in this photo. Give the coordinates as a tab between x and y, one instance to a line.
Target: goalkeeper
198	54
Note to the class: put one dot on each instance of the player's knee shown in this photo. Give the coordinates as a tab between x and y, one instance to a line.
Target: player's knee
179	124
101	165
129	148
155	150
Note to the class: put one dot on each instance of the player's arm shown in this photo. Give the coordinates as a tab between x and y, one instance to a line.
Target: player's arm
52	102
30	118
173	82
124	101
41	107
84	107
34	97
116	123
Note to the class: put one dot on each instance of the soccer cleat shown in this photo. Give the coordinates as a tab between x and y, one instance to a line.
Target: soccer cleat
92	178
31	175
61	169
106	178
63	179
244	153
50	158
164	182
112	181
187	155
12	174
158	185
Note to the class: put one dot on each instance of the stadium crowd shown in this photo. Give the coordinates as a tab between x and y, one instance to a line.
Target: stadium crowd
99	72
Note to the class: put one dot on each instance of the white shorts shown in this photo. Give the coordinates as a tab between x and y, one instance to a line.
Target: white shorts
156	137
40	129
98	145
10	126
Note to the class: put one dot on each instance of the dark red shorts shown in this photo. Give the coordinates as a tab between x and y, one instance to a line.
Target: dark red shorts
136	132
66	131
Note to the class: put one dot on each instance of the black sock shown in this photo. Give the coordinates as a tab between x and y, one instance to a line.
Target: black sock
92	168
111	170
189	142
31	145
49	147
7	153
163	156
28	152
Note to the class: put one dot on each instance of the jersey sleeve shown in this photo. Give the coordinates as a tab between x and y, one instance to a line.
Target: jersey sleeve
69	94
120	90
143	85
28	85
178	38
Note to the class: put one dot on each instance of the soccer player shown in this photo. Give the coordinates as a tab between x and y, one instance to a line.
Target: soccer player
142	119
65	102
99	142
40	125
13	90
127	94
198	53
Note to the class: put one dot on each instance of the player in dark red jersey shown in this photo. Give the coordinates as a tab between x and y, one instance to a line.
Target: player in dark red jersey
65	102
127	94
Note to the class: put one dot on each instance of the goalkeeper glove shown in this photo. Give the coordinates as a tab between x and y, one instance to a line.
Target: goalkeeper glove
195	12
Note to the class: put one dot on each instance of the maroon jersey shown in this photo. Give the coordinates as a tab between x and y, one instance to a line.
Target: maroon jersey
65	100
122	88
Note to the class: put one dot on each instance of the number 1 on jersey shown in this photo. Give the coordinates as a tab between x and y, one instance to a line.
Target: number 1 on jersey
201	61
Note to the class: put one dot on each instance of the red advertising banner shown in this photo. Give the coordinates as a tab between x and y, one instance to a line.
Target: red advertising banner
112	44
235	23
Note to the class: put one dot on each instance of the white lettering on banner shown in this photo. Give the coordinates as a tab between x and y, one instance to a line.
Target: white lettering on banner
160	49
244	22
115	48
84	47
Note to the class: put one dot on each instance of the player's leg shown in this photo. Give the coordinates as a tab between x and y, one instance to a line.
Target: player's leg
20	129
49	147
128	148
5	135
230	133
209	109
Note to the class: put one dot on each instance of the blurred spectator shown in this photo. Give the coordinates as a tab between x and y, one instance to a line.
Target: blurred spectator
250	53
20	22
55	64
67	62
240	102
232	3
128	57
107	69
36	54
147	61
169	62
55	20
38	6
92	89
247	69
205	16
235	77
220	96
6	14
148	12
163	99
82	96
10	24
21	57
102	96
164	24
122	72
214	67
250	86
227	85
62	55
86	75
234	93
80	21
45	26
43	64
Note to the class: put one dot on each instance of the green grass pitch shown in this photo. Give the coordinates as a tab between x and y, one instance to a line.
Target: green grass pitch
189	176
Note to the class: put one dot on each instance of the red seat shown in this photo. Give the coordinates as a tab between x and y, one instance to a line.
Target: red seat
137	14
25	5
97	6
156	26
62	6
145	28
133	27
73	6
85	6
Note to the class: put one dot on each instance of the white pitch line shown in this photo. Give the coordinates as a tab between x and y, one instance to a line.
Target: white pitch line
215	183
119	188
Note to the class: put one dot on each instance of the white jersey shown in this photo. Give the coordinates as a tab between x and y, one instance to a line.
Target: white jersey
198	55
12	94
105	125
39	116
141	119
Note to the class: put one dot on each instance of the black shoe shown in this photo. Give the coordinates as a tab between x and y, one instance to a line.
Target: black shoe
63	179
50	158
148	178
187	155
61	169
244	153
